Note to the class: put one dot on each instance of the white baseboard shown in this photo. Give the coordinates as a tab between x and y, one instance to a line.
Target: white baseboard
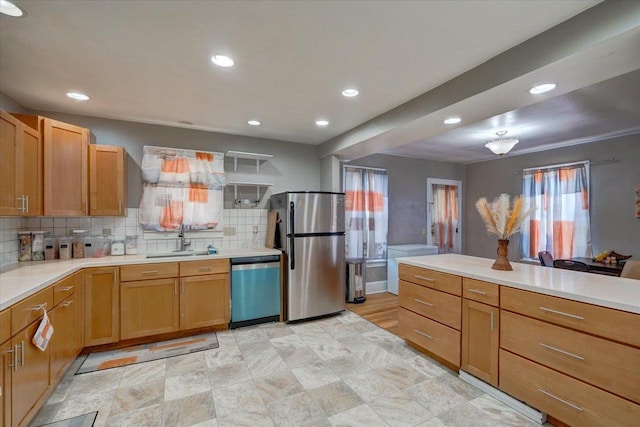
529	412
376	287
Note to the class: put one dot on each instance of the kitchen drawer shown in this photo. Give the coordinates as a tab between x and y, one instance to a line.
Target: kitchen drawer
30	309
440	340
484	292
439	306
209	266
64	288
605	322
5	325
431	279
148	271
569	400
608	365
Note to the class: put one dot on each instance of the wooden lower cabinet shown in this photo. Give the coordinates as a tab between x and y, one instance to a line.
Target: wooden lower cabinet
566	399
204	301
149	307
63	341
480	340
101	306
437	338
30	379
6	366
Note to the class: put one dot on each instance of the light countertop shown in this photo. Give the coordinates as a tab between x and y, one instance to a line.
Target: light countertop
606	291
20	280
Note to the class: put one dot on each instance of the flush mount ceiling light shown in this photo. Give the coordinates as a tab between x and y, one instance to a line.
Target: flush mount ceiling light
543	88
502	145
452	120
78	96
10	9
254	122
322	122
222	61
349	93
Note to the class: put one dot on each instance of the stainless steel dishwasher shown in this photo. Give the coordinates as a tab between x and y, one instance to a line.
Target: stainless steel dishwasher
255	290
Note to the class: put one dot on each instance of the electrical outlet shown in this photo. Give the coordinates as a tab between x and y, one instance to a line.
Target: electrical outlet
106	231
255	229
424	231
229	231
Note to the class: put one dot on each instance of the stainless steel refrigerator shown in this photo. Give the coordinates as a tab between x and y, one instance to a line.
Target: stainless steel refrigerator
310	232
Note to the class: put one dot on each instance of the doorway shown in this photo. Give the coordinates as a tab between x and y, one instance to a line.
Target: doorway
444	225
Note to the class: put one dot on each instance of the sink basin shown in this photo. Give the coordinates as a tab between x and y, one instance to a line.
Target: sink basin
177	253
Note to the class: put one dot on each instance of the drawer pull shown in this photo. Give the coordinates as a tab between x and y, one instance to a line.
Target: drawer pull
477	291
423	334
428	279
423	302
573	316
560	400
39	307
150	272
66	288
550	347
14	357
67	304
205	269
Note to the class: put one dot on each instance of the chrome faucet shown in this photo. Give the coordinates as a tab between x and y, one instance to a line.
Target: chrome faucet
185	244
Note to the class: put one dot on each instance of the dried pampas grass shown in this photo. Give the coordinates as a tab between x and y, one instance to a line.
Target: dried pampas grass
500	218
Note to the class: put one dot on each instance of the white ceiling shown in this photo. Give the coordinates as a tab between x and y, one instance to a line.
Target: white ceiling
150	61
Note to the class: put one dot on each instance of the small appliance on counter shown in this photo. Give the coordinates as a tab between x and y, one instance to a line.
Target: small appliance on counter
401	251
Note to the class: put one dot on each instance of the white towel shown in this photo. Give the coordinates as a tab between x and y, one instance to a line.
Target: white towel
43	333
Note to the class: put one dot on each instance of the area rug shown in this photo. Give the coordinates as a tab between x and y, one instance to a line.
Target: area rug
85	420
147	352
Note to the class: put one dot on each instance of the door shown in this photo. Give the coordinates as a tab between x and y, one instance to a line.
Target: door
149	307
444	225
101	306
316	278
106	180
30	171
6	366
315	213
480	340
62	344
204	301
255	291
65	169
9	130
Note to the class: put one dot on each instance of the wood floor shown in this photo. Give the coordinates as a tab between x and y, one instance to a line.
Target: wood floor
381	309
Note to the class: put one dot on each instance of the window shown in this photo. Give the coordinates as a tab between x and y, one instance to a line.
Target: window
560	224
366	212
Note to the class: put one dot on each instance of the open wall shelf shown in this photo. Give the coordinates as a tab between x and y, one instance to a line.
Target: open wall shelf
251	156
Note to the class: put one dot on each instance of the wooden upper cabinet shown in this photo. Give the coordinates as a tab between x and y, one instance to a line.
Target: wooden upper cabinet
107	180
21	172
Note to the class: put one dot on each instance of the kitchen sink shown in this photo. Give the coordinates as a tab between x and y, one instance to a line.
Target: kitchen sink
177	253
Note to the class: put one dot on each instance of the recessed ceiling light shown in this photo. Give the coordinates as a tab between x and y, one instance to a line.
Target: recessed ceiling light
254	122
546	87
452	120
78	96
222	61
10	9
350	92
322	122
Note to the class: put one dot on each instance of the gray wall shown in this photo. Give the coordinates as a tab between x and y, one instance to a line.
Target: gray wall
613	222
293	167
408	192
11	105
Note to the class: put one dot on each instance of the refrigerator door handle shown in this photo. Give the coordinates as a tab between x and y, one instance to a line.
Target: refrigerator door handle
292	242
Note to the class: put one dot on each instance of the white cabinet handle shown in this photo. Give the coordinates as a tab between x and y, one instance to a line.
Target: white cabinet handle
38	307
67	304
428	279
560	400
550	347
66	288
14	357
27	203
492	317
477	291
423	302
423	334
561	313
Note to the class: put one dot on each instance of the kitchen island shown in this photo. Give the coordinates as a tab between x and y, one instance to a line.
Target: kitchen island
567	343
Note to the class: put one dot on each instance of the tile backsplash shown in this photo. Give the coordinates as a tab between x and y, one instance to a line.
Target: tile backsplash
243	228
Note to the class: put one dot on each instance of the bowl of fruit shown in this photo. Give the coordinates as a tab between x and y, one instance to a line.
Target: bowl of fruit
611	255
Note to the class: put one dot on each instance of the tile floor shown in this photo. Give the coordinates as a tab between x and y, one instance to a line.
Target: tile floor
337	371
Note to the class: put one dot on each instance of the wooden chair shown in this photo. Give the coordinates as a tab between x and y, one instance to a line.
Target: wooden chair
568	264
631	269
546	259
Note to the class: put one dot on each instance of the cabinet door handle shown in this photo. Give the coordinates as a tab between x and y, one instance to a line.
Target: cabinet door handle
477	291
38	307
21	208
67	304
493	315
550	347
561	313
119	206
148	272
66	288
182	286
206	268
423	302
14	360
423	334
560	400
428	279
21	355
27	202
